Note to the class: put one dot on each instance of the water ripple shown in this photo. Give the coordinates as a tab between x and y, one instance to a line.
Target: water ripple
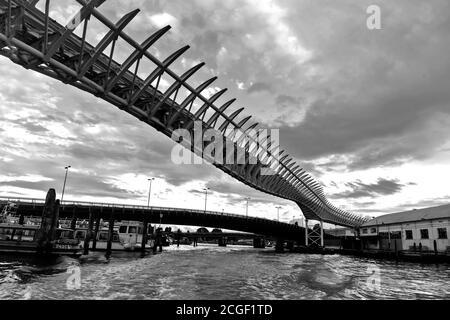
210	272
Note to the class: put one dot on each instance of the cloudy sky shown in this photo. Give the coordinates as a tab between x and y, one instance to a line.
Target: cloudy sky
367	112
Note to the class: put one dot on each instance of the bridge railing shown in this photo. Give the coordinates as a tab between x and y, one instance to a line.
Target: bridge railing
34	201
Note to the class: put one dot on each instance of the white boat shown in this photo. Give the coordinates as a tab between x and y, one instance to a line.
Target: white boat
127	236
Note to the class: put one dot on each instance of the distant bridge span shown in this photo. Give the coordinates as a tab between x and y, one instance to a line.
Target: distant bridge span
30	38
173	216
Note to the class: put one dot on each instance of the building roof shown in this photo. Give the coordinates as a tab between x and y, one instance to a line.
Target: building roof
412	215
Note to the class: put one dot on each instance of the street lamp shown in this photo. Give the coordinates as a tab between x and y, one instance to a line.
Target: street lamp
206	196
64	185
149	191
278	213
246	209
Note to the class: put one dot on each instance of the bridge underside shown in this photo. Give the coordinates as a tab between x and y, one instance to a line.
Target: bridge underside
172	216
31	39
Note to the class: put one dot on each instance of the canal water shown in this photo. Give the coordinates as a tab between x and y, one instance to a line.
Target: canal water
212	272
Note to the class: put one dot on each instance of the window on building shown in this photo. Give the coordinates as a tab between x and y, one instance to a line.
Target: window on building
373	230
364	231
424	233
408	234
442	233
396	235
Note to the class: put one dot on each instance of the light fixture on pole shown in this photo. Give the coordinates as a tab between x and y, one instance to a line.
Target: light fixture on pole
206	196
64	185
278	213
246	209
149	191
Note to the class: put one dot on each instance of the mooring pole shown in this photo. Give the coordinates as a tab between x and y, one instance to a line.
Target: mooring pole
73	224
97	227
89	232
110	234
144	235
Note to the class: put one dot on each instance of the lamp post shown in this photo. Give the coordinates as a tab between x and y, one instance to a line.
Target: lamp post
149	191
278	213
246	208
206	196
64	185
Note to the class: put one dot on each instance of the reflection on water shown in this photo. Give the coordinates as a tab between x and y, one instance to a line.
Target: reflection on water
211	272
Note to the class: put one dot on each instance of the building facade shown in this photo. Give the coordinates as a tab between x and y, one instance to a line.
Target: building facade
416	230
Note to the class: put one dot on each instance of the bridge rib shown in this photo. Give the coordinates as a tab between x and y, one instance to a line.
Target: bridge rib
175	87
158	72
136	55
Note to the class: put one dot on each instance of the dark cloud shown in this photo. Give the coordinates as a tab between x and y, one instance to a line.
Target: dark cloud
383	187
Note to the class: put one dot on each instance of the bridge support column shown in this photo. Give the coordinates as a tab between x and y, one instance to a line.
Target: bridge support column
279	245
222	241
89	232
73	223
321	234
144	235
290	245
110	235
259	243
306	232
97	227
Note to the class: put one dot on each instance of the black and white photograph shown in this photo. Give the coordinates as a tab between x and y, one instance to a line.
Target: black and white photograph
240	152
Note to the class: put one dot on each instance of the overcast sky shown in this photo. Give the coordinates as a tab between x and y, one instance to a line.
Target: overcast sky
367	112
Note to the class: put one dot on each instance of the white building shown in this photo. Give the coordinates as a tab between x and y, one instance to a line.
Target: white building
419	229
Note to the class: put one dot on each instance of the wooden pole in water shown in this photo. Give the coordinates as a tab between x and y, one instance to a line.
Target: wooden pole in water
89	232
110	234
97	227
73	224
44	234
144	234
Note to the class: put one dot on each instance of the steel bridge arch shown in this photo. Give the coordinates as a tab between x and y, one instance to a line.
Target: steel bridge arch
29	37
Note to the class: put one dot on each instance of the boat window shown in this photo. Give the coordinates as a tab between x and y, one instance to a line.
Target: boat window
79	234
132	229
103	236
116	238
66	234
140	230
123	229
7	231
29	233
